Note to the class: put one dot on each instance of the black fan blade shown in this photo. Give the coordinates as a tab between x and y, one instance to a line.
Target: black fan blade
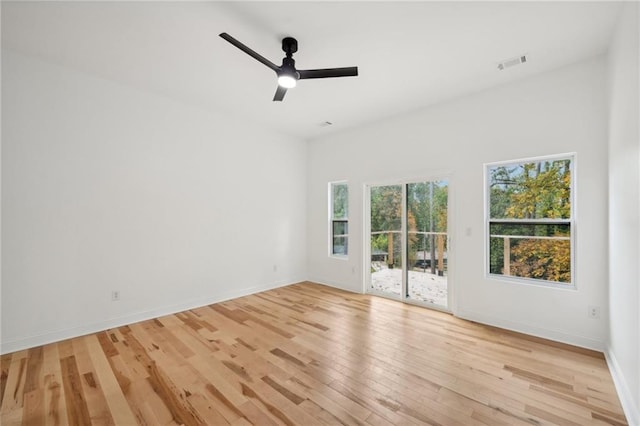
329	72
280	91
250	51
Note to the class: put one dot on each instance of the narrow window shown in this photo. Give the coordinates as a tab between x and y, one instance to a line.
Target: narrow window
530	220
339	218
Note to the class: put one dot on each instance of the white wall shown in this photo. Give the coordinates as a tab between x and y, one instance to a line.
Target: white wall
105	187
557	112
624	211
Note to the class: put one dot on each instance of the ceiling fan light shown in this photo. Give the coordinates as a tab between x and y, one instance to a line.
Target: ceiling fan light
287	81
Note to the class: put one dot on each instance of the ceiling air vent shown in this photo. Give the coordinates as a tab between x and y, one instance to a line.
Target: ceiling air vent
512	62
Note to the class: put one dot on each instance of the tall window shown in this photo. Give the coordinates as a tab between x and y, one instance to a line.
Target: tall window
339	218
530	220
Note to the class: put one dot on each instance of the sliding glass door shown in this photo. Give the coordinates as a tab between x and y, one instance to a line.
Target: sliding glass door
408	242
386	239
427	242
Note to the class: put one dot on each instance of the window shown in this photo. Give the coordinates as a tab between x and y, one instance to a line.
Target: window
530	220
339	218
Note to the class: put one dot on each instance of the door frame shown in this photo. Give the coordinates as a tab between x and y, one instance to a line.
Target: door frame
366	242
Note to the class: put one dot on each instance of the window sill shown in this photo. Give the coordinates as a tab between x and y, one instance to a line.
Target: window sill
339	256
531	282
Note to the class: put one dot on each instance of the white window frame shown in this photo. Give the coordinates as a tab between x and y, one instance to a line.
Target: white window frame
333	219
570	221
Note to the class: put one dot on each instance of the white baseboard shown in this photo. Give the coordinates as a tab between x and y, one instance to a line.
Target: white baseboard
629	405
58	335
545	333
339	286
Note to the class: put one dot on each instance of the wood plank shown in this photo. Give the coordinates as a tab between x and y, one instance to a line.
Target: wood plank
91	387
76	404
11	410
114	397
34	405
5	363
181	411
54	397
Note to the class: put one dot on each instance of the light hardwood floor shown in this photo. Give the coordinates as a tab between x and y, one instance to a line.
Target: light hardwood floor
307	354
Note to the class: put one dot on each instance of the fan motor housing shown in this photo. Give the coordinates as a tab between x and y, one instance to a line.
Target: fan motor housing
289	45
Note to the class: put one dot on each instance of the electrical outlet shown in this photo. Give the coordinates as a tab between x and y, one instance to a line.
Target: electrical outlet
115	295
594	312
275	268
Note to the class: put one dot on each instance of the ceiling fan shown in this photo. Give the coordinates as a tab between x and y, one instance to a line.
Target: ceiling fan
287	73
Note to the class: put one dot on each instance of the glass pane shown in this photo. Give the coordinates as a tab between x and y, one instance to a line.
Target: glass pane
533	190
340	198
386	239
543	258
427	249
340	245
340	227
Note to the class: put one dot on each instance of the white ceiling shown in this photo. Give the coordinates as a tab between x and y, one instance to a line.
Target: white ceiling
410	54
